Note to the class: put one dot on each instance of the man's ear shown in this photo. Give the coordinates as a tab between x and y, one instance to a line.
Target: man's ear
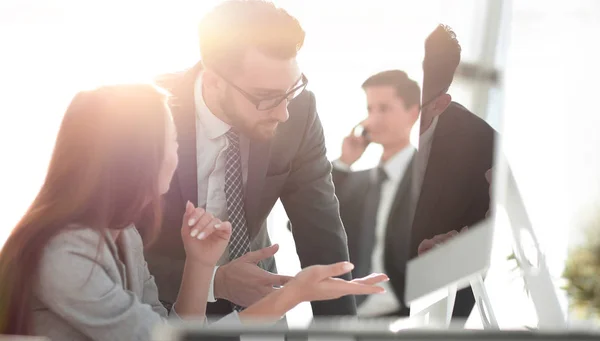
442	103
414	111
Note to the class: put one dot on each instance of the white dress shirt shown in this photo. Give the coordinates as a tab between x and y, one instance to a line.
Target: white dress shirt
211	144
377	305
395	168
421	161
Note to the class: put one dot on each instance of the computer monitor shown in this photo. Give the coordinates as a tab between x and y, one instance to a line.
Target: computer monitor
433	278
534	270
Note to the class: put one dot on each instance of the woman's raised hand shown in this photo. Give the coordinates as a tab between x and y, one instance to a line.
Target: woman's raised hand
204	236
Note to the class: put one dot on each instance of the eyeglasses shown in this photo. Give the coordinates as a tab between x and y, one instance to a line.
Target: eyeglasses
272	101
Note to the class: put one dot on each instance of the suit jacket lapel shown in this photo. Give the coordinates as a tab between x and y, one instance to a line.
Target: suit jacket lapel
184	116
258	163
436	175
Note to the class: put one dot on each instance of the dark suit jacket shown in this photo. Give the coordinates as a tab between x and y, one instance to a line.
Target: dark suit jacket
291	167
350	188
454	194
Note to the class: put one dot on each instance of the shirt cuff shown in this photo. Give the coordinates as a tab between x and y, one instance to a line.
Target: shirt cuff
341	166
173	316
211	287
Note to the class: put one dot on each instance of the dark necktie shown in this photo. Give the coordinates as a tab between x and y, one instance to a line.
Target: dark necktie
239	244
372	199
369	221
368	226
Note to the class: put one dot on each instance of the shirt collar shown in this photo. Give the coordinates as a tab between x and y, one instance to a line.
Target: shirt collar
427	136
395	166
212	126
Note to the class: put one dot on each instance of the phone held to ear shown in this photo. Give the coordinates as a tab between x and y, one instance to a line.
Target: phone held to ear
359	130
365	134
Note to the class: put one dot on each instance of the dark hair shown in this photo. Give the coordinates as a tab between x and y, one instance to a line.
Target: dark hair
104	170
407	89
442	56
235	26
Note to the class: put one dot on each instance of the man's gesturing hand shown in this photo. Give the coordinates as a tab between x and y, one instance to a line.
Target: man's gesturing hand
242	282
429	244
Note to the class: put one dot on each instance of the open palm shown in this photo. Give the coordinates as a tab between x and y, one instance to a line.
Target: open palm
318	283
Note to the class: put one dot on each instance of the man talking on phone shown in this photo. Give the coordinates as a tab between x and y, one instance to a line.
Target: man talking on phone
369	205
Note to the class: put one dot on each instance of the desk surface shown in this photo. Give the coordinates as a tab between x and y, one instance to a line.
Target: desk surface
352	329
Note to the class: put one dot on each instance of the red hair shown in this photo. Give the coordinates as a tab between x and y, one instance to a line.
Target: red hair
102	174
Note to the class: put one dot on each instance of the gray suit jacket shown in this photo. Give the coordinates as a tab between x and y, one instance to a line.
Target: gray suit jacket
93	289
292	167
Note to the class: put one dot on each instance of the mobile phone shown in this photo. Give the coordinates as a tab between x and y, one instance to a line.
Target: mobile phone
365	134
362	131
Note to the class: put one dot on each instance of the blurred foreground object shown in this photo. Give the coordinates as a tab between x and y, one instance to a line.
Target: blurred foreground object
582	272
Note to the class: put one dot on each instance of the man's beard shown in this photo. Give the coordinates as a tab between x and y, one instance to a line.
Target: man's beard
254	132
